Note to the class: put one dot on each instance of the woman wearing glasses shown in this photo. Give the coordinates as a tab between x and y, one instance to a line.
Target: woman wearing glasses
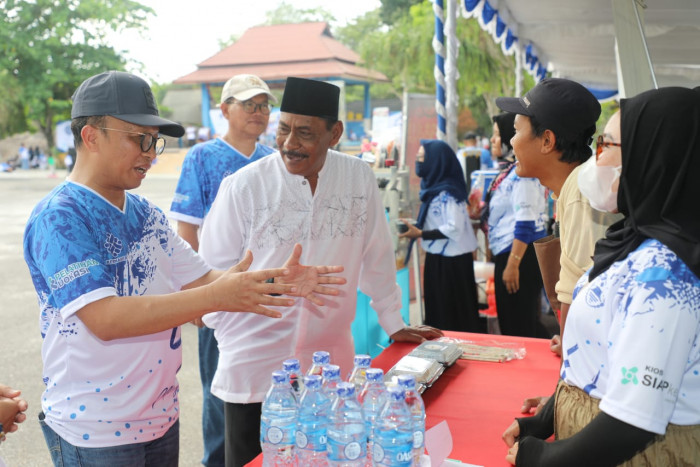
631	375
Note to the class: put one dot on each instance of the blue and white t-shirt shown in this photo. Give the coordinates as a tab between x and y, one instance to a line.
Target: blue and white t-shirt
518	200
80	248
203	169
449	216
632	339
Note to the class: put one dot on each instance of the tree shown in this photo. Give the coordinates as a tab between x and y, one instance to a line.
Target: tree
286	13
49	47
402	50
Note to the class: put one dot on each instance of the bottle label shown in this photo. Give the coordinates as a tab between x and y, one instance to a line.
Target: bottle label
352	450
377	452
275	434
417	439
302	440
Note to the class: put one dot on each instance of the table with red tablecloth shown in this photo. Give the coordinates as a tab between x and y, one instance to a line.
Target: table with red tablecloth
480	399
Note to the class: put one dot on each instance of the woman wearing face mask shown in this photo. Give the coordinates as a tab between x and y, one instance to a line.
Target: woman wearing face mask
631	376
448	239
516	216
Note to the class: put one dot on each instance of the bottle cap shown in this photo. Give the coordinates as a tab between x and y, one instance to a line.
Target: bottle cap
407	381
363	361
375	374
330	372
312	381
291	365
321	357
279	376
396	393
346	389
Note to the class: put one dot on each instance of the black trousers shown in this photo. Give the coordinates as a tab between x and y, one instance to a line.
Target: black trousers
451	301
519	313
242	433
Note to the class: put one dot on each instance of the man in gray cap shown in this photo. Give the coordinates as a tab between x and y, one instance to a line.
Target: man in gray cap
328	202
114	283
245	104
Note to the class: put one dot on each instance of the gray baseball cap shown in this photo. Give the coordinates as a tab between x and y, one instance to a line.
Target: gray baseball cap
124	96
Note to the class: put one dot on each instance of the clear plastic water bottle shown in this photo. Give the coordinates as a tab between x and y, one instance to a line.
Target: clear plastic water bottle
393	437
417	409
372	398
347	438
312	424
357	375
292	367
278	423
331	378
318	359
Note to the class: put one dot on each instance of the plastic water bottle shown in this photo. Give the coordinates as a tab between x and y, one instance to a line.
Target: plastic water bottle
278	423
357	375
293	369
417	409
312	424
347	438
319	359
372	398
331	378
393	438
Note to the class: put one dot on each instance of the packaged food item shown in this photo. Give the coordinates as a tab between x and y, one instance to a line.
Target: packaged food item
444	352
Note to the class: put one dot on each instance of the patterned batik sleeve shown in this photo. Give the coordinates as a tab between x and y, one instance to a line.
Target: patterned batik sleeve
188	202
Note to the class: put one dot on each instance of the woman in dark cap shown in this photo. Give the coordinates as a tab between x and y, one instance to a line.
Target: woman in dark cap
630	380
448	238
515	213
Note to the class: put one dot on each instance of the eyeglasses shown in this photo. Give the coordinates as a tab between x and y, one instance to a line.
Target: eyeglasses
251	107
148	141
601	144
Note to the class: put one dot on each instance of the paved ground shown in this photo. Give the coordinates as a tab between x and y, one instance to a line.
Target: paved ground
20	342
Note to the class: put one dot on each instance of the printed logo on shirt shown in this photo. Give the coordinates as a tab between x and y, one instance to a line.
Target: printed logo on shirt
180	198
629	376
70	273
653	378
113	245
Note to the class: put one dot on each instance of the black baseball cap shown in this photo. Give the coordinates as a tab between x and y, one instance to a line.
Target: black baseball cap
561	105
124	96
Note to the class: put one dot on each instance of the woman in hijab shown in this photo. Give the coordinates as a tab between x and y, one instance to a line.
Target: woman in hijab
516	216
448	238
503	131
630	381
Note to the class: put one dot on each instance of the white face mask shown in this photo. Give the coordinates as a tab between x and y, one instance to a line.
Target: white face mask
596	181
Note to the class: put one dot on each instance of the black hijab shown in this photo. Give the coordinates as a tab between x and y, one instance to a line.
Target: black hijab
505	122
660	181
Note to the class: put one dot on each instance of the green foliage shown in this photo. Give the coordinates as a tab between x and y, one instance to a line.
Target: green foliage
48	47
286	13
396	40
393	10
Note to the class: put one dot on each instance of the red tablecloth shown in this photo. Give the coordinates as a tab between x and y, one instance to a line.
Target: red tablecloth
480	399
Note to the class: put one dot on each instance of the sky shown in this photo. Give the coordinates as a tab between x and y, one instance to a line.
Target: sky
186	32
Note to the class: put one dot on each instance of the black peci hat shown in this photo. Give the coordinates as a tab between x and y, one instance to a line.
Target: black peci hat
310	97
124	96
561	105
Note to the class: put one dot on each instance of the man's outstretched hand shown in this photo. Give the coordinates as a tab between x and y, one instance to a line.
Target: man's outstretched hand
310	281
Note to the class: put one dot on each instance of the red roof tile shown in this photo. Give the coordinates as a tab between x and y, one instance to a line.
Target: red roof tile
274	52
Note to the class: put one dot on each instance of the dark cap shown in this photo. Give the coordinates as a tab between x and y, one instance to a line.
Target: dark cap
470	135
561	105
124	96
310	97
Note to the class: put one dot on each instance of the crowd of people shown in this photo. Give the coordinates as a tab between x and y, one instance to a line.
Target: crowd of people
272	245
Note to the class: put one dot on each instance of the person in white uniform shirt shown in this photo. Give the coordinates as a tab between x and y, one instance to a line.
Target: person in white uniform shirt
245	106
114	283
630	381
329	203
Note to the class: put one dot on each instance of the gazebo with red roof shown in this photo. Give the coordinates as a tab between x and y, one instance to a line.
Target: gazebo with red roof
306	50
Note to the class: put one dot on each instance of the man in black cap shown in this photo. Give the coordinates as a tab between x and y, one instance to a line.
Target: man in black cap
554	126
114	284
327	201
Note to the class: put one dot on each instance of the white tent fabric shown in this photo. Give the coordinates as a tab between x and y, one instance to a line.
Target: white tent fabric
576	38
